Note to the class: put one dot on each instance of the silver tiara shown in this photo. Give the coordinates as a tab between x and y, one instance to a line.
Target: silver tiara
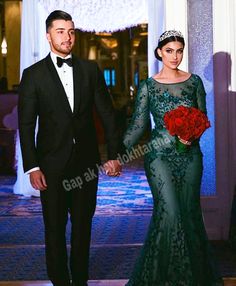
170	33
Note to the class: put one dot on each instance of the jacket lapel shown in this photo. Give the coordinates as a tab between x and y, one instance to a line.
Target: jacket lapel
58	88
78	80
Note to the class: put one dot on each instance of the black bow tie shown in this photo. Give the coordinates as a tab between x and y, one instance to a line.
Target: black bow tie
60	61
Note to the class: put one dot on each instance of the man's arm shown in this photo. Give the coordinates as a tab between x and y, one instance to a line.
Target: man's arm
27	116
106	111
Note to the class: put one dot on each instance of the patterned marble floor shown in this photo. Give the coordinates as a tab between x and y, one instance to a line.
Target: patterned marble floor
47	283
227	282
121	201
125	195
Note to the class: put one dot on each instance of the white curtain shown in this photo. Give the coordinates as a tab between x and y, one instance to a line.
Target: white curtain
156	26
89	15
178	21
34	47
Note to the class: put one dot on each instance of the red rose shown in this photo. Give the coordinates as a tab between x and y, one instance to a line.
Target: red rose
188	123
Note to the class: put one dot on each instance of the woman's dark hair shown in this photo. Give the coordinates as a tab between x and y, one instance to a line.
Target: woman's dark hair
167	37
57	15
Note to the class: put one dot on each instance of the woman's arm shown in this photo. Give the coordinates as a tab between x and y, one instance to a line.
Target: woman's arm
140	118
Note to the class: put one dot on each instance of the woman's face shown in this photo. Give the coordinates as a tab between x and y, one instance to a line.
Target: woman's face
171	54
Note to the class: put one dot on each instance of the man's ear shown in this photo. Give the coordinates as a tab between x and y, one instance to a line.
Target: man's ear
48	37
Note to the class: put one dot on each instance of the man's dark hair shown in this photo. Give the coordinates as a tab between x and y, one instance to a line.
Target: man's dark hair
57	15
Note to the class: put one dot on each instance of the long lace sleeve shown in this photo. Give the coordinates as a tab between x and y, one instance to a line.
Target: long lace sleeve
201	96
140	118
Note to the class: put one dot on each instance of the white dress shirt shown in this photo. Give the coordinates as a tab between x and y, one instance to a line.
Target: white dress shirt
65	73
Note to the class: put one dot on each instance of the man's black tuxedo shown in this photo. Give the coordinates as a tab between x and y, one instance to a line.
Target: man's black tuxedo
66	146
42	94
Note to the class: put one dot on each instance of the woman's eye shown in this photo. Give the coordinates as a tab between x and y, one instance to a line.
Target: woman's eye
180	51
168	51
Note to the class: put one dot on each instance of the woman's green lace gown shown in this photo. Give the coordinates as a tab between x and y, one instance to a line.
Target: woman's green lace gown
176	251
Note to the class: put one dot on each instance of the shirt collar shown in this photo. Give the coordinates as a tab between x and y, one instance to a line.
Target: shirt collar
54	57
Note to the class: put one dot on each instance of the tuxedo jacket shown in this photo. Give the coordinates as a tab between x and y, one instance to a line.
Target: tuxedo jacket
42	96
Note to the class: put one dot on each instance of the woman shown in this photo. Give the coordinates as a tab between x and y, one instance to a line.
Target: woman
176	250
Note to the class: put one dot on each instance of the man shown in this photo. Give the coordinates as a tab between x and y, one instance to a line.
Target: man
61	91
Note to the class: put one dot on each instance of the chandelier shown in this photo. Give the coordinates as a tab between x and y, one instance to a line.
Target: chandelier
101	15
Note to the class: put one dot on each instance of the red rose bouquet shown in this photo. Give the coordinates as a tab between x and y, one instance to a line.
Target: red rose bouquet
187	124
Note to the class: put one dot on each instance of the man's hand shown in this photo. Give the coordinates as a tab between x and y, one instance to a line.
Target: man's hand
38	181
113	168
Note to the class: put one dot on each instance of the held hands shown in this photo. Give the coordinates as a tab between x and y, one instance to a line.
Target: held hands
113	168
38	181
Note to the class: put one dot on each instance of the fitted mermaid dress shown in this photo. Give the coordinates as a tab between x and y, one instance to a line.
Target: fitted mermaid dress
176	251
